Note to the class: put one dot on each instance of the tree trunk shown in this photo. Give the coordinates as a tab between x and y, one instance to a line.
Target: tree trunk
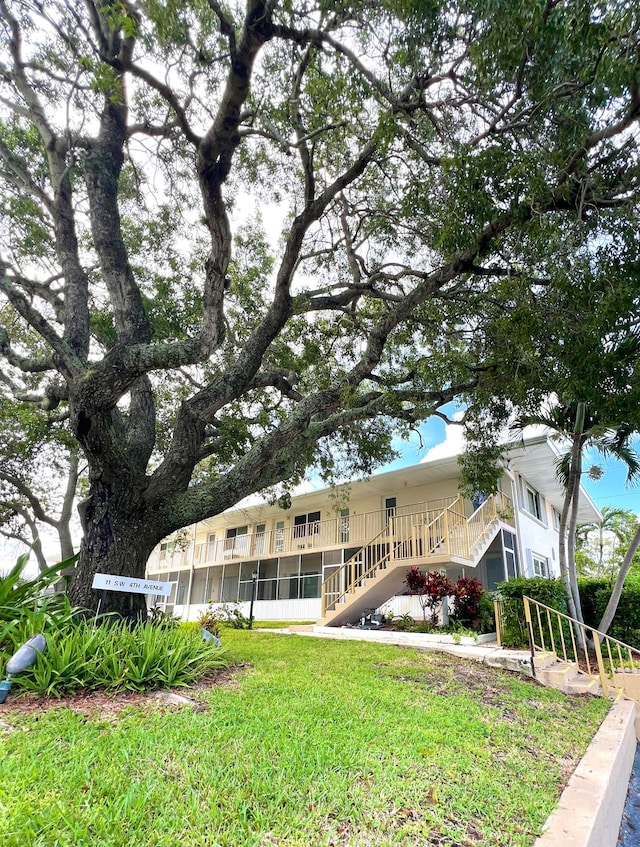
562	551
64	522
612	605
563	557
574	486
118	539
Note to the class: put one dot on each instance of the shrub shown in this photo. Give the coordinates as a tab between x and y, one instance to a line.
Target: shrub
548	591
466	593
210	621
594	596
431	588
116	656
403	623
486	615
28	606
229	614
158	617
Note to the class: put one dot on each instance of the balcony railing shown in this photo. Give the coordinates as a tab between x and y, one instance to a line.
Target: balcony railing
340	531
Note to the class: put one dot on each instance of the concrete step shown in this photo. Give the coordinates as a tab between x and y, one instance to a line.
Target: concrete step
559	675
567	678
584	684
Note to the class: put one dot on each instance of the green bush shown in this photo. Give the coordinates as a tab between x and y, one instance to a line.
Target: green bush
547	591
209	621
229	614
594	596
403	623
486	615
116	656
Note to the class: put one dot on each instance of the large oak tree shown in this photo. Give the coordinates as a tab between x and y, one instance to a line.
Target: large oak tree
430	163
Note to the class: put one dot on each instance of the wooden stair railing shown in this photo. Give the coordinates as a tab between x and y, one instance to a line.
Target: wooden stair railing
420	535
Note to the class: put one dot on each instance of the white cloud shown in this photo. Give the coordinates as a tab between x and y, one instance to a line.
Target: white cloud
453	443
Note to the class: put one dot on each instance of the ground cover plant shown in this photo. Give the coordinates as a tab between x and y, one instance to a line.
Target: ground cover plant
28	606
116	656
315	742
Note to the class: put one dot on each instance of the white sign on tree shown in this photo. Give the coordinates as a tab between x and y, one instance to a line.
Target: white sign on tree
109	582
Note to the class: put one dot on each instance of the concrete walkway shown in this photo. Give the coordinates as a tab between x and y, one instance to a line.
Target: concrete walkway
486	651
590	809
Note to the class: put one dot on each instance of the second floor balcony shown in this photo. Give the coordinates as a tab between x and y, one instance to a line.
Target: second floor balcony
257	542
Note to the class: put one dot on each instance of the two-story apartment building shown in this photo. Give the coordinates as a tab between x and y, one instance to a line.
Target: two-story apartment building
329	557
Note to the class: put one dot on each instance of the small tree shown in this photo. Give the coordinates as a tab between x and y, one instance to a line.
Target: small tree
431	589
466	593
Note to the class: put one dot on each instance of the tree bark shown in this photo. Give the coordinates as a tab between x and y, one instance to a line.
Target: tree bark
119	536
574	489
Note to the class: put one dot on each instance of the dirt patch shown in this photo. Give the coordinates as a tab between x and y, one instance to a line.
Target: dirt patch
107	704
449	674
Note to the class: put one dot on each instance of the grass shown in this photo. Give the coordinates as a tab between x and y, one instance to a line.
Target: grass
317	742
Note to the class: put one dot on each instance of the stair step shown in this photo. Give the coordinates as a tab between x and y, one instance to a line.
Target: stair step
584	684
559	676
545	660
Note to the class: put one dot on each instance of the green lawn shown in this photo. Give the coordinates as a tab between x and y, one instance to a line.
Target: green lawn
316	742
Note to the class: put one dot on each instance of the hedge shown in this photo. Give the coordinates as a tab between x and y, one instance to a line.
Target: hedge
547	591
594	596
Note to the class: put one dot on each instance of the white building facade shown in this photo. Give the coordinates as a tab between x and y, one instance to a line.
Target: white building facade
333	554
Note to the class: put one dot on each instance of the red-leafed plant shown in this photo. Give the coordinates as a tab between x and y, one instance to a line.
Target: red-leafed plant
466	593
431	588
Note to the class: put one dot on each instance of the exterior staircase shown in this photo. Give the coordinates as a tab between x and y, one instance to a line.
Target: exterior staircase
431	538
565	676
576	658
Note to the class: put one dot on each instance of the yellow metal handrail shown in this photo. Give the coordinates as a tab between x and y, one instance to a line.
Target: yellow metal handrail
616	664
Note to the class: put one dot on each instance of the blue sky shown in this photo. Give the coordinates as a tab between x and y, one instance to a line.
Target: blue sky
440	439
612	489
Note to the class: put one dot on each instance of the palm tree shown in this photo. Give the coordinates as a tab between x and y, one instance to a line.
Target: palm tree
614	524
583	428
612	605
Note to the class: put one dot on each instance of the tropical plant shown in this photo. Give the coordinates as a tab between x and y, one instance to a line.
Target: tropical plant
431	588
603	541
159	617
209	620
118	657
466	593
18	592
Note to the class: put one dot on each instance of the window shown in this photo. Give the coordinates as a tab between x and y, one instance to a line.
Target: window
510	550
235	531
230	582
390	504
199	588
533	503
304	525
236	541
166	549
539	565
